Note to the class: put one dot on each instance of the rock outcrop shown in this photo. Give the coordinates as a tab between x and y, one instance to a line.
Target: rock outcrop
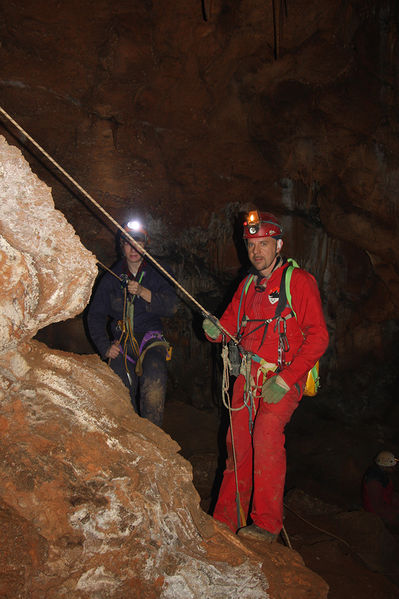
46	273
95	501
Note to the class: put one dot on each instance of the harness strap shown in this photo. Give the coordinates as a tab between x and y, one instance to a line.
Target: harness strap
139	365
244	292
264	322
280	325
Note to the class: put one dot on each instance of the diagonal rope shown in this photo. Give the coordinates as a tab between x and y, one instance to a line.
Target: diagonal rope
115	223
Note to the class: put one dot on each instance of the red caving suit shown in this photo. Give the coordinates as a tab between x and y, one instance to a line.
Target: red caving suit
260	457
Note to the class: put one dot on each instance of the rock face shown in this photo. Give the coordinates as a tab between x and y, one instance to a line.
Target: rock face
46	274
94	501
100	499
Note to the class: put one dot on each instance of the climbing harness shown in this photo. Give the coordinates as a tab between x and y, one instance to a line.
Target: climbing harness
128	345
285	299
150	340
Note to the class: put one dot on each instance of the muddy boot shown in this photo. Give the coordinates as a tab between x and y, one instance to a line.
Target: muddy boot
255	532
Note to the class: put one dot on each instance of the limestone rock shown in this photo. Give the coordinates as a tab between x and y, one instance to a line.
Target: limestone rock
97	499
46	275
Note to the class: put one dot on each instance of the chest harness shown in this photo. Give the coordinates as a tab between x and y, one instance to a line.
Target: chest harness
128	345
241	359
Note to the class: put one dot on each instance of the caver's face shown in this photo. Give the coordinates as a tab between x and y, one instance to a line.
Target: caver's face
133	256
263	252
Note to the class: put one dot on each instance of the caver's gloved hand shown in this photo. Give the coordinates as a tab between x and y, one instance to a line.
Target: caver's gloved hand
274	389
210	328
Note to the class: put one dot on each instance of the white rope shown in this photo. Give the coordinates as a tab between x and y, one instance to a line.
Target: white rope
226	381
227	404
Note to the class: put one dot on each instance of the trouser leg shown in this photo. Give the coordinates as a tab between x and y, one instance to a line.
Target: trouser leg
153	385
119	367
260	461
226	509
270	461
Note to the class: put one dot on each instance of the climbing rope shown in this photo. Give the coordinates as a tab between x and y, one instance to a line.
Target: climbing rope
326	532
111	272
226	381
241	518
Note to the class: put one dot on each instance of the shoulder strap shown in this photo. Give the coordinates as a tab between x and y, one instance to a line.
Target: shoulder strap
289	271
244	292
284	292
285	289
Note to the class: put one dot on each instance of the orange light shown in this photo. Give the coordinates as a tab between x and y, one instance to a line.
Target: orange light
253	217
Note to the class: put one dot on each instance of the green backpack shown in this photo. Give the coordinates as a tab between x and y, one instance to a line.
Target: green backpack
312	384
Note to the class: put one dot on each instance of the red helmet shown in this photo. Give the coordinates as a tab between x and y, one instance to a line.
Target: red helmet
262	224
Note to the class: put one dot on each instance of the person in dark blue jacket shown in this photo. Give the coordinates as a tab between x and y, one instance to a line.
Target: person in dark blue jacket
130	304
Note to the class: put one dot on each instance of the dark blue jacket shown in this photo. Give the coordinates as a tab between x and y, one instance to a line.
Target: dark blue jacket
108	300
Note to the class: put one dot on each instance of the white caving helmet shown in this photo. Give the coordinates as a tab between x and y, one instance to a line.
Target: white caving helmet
386	459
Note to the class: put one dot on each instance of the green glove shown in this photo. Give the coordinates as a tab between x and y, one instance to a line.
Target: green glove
272	392
210	328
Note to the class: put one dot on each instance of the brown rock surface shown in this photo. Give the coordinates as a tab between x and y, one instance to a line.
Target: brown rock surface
99	498
94	501
46	274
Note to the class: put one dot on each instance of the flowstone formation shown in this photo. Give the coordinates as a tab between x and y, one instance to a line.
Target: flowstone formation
95	501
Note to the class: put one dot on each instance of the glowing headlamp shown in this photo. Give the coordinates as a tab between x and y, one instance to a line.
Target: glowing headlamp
253	222
135	229
134	225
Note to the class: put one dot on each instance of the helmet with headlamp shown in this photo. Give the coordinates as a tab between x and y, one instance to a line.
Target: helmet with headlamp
262	224
136	230
386	459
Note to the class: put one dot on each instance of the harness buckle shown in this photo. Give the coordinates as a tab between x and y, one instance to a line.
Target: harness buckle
283	345
124	280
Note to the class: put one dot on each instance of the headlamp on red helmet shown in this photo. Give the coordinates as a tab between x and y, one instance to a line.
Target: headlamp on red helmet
262	224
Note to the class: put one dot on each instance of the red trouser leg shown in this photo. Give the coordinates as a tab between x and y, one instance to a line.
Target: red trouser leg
260	461
226	506
270	462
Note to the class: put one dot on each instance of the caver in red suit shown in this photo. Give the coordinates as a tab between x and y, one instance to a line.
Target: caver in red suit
378	493
258	427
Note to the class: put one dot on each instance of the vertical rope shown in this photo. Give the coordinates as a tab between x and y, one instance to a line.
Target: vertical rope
241	518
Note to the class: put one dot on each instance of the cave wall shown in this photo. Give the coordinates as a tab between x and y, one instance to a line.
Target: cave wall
191	113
